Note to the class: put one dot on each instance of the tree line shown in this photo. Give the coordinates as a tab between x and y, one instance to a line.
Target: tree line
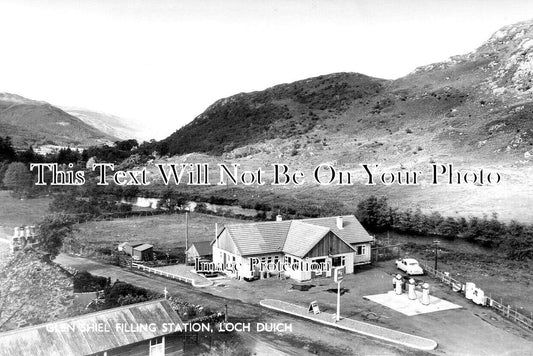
514	239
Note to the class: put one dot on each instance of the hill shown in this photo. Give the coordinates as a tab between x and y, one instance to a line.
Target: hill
110	124
283	111
473	111
29	122
480	102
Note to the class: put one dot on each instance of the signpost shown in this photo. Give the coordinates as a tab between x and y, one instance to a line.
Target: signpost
313	307
338	276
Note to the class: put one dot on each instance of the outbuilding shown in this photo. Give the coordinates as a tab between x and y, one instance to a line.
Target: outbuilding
127	247
201	250
137	329
144	252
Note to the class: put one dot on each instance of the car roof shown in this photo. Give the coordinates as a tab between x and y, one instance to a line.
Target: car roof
410	260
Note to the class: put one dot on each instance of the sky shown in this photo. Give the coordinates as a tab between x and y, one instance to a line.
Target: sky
160	63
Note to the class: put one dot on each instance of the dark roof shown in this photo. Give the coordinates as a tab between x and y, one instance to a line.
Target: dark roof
133	243
71	337
143	247
296	237
203	248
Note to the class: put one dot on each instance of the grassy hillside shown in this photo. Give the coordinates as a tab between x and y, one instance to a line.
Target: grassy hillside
476	106
30	122
283	111
474	111
111	125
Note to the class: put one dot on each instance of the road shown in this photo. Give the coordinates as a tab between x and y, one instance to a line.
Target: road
306	337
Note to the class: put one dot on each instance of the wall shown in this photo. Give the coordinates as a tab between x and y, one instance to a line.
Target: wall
362	259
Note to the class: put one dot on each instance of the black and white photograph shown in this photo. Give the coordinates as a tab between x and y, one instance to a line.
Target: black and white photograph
270	177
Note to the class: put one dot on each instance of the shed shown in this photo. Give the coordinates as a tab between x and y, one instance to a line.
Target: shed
127	247
143	252
136	329
200	249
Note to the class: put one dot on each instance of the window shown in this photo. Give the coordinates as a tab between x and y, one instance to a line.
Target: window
361	250
157	346
338	261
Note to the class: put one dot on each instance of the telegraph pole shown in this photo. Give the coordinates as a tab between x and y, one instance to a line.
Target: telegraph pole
436	253
186	237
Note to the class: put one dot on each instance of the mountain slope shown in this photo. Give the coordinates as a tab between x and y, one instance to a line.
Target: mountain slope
109	124
473	111
478	105
31	122
283	111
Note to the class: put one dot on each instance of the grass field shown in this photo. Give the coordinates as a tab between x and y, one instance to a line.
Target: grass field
162	231
15	212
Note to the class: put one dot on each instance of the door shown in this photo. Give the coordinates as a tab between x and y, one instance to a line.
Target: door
157	346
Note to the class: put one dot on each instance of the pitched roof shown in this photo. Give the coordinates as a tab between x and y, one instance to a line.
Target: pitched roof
143	247
352	231
72	337
302	237
296	237
202	247
258	238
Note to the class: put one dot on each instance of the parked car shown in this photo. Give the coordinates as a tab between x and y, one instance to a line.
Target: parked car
409	266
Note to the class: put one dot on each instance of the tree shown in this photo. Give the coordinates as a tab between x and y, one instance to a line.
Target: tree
518	241
29	156
126	145
7	152
53	230
171	200
18	178
374	213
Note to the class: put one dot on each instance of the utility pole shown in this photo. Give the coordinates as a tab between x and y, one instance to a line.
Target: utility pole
436	253
186	237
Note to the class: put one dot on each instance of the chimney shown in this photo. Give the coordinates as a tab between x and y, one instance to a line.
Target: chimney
16	232
27	231
279	218
340	222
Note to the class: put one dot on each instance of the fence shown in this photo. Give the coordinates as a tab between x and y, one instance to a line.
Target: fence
162	273
384	253
80	218
505	310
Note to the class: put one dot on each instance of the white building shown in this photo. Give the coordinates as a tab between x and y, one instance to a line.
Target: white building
302	244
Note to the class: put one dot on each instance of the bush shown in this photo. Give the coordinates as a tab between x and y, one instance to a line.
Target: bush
122	292
85	282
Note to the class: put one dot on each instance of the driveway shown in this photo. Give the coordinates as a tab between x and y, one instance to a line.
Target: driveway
306	337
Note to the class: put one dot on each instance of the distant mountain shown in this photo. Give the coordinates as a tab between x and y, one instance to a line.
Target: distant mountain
29	122
474	105
109	124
